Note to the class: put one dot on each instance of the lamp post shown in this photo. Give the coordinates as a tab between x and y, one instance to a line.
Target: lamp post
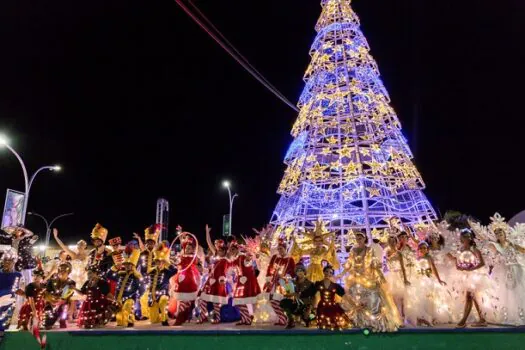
227	185
48	225
28	182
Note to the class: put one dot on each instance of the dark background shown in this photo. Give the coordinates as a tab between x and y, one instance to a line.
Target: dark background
135	102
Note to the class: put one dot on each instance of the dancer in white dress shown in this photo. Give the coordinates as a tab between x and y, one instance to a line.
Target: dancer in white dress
396	274
507	246
260	248
470	276
424	296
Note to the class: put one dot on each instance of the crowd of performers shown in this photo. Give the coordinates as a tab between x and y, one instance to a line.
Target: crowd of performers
433	276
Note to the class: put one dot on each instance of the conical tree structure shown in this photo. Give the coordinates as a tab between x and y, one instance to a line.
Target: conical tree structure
349	164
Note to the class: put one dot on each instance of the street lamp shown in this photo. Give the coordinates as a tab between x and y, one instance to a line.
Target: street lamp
227	185
48	225
28	182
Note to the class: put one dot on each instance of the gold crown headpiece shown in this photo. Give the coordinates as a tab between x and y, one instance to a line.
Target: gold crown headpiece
152	233
131	255
99	232
162	253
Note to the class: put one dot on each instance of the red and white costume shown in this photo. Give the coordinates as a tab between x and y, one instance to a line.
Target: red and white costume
185	283
247	287
278	267
214	289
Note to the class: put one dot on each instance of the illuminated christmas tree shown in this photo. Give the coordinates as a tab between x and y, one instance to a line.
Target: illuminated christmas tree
349	164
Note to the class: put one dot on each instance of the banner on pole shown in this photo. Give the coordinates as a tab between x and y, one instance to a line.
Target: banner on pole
226	225
13	208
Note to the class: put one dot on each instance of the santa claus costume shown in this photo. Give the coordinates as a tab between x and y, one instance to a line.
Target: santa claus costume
214	289
246	288
186	282
280	265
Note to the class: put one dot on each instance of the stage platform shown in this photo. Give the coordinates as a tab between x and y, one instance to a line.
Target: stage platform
229	336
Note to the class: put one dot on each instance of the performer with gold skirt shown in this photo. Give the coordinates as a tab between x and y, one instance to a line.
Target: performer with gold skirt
214	289
32	310
98	258
146	263
280	265
128	281
185	284
319	246
367	300
59	290
159	277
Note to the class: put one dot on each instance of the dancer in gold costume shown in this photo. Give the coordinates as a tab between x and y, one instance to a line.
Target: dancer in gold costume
319	245
367	300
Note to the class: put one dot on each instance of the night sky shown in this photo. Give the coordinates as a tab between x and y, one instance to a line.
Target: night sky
136	102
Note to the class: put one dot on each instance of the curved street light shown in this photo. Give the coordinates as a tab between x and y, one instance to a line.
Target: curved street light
28	182
48	224
227	185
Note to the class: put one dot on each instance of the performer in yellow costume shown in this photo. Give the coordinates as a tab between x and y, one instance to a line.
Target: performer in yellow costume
319	245
151	236
128	281
367	300
159	277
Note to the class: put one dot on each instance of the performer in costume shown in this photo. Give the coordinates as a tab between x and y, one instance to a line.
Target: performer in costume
246	287
9	286
323	249
59	290
423	304
297	302
438	251
367	301
259	246
396	276
22	241
128	280
146	263
96	310
507	245
98	258
330	315
159	277
468	262
79	259
32	311
280	265
214	289
117	256
185	284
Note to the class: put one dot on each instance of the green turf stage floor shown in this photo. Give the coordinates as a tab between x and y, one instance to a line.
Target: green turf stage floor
497	339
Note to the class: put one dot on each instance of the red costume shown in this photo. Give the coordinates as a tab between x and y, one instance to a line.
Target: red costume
185	283
278	267
214	290
246	288
34	293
